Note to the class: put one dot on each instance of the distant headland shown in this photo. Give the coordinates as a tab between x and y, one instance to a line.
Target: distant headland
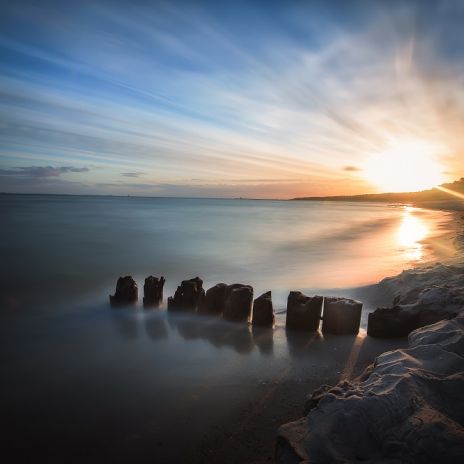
446	196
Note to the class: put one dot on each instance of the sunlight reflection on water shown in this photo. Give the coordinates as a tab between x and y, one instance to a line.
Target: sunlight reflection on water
411	232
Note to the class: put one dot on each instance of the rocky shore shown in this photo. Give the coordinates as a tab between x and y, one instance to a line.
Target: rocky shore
408	406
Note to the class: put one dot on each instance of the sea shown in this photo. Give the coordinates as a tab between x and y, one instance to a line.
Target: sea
86	383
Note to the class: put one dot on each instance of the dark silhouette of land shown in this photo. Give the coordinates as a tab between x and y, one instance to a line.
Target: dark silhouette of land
437	197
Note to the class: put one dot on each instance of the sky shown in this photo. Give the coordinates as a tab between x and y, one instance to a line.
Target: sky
260	99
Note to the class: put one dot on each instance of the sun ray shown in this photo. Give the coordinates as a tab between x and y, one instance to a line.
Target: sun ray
451	192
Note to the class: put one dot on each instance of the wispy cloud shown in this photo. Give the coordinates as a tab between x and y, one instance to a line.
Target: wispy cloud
271	102
131	174
40	171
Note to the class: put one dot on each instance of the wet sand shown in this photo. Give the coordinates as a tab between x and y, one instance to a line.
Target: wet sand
134	386
249	435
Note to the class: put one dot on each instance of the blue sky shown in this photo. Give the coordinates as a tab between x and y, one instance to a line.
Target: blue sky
260	99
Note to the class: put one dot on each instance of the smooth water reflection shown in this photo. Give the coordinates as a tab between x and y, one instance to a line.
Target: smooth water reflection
412	231
129	385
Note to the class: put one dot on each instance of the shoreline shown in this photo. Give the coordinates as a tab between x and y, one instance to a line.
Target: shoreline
408	405
252	432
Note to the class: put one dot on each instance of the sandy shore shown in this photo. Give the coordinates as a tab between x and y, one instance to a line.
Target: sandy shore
409	405
449	205
250	435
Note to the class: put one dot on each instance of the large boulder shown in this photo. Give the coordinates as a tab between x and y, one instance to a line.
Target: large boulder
214	300
398	321
238	304
153	291
409	407
263	312
341	316
126	292
187	295
390	323
422	296
303	312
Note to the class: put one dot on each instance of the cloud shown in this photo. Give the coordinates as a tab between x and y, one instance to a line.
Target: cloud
131	174
286	99
40	171
352	168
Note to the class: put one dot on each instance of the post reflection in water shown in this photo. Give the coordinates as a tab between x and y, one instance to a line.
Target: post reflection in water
411	232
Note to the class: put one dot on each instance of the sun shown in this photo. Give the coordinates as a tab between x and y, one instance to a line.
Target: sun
405	166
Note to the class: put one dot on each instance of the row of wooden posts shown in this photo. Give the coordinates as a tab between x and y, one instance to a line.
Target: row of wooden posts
235	303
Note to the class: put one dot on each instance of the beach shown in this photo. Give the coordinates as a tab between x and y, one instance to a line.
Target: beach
408	405
253	428
232	232
89	383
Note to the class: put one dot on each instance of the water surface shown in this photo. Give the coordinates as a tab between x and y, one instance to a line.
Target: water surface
82	382
68	248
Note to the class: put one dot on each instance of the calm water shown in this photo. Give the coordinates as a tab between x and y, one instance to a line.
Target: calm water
85	383
72	248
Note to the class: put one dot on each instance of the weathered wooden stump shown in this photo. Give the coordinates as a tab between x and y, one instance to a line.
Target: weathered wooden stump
153	291
214	300
238	304
263	312
303	312
187	295
341	316
126	292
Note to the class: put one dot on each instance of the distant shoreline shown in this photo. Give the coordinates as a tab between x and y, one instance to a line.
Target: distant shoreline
87	195
446	197
444	204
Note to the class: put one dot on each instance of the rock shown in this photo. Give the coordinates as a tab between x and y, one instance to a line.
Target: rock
303	312
290	443
263	312
389	323
187	295
409	408
313	399
341	316
422	296
398	321
214	300
238	304
126	292
153	291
